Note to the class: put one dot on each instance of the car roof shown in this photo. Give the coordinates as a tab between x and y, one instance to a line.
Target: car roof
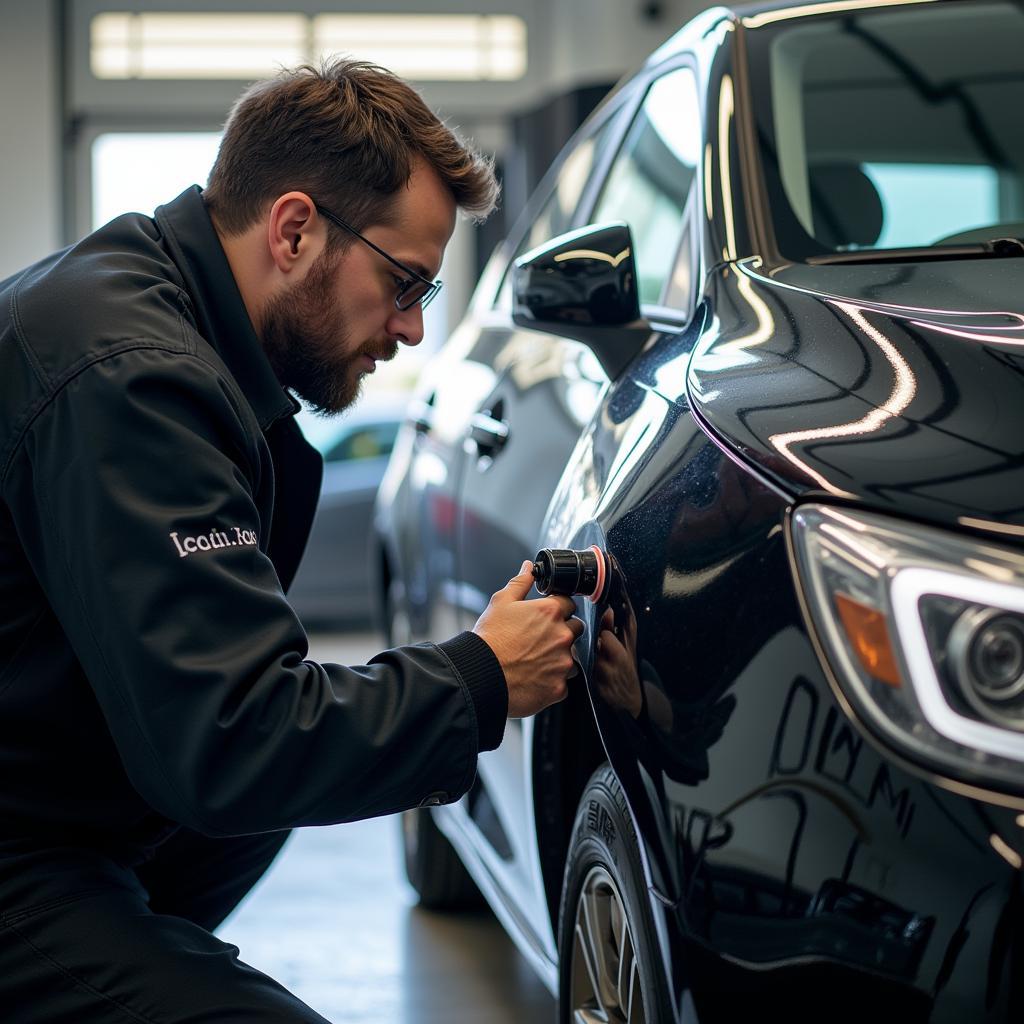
750	15
817	8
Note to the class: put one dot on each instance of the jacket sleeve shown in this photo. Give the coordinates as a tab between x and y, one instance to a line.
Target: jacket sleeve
134	494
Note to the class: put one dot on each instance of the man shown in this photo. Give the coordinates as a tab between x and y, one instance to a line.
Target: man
160	730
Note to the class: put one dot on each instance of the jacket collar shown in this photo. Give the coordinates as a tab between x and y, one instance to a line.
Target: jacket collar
221	315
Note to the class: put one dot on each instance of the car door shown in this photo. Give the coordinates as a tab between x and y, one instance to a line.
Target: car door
545	392
547	389
507	376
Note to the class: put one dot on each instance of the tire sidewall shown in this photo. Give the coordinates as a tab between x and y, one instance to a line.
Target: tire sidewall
603	835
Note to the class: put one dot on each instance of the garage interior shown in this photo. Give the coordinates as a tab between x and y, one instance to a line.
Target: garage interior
334	920
751	345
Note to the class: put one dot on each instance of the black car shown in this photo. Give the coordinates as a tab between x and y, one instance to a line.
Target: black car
760	338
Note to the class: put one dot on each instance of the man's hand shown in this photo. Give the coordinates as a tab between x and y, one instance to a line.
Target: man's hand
533	641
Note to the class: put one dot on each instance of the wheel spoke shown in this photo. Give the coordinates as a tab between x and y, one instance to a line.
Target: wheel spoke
612	925
586	966
627	963
584	972
636	1013
598	927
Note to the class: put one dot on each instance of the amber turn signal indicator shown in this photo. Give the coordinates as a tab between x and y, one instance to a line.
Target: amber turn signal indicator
869	637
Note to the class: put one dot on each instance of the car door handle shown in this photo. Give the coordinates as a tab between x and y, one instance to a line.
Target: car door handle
488	434
422	415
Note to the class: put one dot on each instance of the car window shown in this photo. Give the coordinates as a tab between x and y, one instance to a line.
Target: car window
939	159
652	176
555	216
923	200
369	442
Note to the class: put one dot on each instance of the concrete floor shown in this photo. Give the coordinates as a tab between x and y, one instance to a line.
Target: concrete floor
335	921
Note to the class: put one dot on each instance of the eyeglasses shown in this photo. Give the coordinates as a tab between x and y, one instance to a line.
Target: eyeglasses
413	288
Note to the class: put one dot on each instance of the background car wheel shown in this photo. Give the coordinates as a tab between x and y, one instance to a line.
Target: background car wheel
610	968
433	867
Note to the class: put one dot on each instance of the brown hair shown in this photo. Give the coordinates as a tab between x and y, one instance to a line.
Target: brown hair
349	134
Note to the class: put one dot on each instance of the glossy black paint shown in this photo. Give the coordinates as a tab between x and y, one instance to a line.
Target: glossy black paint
914	404
795	865
794	842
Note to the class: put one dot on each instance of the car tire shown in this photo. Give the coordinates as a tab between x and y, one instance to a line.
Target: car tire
433	867
609	964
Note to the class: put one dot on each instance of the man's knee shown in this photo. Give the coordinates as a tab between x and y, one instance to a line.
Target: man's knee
104	957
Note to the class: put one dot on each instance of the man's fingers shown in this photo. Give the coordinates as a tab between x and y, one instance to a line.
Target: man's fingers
519	586
566	605
577	626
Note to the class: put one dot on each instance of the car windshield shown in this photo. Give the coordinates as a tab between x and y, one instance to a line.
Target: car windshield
887	128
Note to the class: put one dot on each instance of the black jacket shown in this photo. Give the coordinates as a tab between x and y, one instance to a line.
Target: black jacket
155	499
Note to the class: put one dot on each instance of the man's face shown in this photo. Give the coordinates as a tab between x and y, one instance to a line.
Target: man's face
325	332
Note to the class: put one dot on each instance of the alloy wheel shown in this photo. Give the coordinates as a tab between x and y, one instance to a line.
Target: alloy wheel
604	978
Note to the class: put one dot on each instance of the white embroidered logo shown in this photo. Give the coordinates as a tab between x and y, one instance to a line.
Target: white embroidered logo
213	540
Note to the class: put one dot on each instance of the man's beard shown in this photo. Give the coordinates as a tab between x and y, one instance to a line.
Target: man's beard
308	345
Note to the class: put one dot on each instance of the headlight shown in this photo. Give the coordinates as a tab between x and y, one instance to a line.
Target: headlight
923	631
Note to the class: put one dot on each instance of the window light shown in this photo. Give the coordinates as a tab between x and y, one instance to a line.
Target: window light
439	47
429	46
163	45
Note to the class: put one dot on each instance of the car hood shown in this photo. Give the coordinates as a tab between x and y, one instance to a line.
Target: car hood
898	386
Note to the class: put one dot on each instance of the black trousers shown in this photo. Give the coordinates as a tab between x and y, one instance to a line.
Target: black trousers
84	940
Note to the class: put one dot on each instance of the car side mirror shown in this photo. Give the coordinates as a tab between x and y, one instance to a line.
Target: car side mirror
583	286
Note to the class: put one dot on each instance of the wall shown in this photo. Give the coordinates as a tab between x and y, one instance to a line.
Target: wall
30	160
600	40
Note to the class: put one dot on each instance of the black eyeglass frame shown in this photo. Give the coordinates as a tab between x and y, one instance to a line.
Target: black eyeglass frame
432	287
